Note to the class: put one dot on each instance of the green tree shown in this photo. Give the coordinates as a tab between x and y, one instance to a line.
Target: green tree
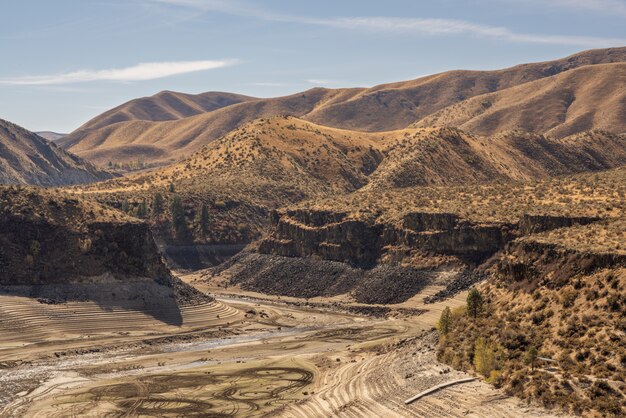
157	204
531	357
474	302
125	206
142	209
172	189
35	248
445	321
484	357
177	212
203	220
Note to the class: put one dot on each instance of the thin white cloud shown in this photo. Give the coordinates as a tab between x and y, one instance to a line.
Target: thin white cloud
268	84
422	26
461	27
139	72
320	82
609	7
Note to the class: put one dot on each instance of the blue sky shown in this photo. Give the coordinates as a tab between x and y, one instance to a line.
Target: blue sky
65	61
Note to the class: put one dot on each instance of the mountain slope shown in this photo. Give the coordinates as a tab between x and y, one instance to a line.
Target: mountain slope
26	158
447	156
381	108
591	97
165	105
172	140
265	164
271	163
392	106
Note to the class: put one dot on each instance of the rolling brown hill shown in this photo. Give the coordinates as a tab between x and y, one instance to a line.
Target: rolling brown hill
381	108
449	156
265	164
166	142
590	97
165	105
26	158
275	162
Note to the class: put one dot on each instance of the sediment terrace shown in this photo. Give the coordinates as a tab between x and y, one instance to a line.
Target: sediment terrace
259	357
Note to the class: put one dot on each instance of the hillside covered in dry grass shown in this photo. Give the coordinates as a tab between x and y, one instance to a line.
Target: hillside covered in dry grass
170	126
272	163
589	97
27	158
552	324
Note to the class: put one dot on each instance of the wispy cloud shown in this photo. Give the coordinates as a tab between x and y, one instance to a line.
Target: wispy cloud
461	27
268	84
320	82
421	26
609	7
139	72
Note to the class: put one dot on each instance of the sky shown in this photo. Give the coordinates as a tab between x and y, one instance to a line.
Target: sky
66	61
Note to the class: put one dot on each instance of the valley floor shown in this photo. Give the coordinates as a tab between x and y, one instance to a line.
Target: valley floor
243	355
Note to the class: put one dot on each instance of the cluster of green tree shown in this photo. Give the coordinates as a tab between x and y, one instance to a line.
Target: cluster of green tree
177	215
487	356
130	166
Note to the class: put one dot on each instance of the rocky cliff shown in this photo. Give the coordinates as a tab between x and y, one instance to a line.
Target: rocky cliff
363	242
51	240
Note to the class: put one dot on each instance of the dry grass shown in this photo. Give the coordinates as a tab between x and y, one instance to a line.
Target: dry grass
590	97
26	158
602	237
55	207
127	132
601	194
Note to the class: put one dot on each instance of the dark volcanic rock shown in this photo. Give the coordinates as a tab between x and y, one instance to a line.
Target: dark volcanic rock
309	277
535	262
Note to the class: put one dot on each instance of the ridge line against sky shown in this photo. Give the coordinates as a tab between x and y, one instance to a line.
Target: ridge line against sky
66	61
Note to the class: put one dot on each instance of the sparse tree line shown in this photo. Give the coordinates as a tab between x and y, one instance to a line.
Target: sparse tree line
138	164
487	356
562	348
175	214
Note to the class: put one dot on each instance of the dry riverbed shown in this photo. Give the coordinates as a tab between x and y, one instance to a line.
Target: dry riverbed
242	356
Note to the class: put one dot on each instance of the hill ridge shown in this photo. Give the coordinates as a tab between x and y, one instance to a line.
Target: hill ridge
376	109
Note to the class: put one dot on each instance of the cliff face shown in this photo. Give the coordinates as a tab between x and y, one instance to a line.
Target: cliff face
553	265
531	224
49	238
363	242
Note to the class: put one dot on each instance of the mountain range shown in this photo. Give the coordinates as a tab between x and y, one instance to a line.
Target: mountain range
558	98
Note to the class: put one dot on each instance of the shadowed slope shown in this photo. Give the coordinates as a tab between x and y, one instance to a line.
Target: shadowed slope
449	156
26	158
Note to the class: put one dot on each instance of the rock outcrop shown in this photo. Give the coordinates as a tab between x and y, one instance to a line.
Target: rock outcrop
56	246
